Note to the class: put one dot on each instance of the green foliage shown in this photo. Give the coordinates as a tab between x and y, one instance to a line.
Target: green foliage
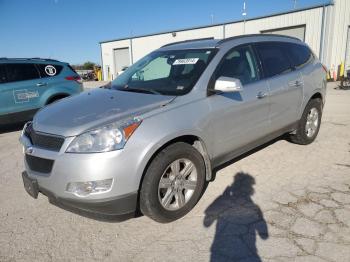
88	65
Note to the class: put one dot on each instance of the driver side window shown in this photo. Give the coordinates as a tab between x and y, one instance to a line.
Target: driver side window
240	63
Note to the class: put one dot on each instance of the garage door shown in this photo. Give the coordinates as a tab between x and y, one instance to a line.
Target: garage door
121	59
295	31
347	54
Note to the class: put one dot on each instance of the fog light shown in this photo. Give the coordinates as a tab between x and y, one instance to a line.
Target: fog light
90	187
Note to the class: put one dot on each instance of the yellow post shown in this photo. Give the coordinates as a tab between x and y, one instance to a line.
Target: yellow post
99	75
342	69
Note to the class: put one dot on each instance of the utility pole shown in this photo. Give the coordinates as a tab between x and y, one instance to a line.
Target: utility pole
212	18
295	4
244	13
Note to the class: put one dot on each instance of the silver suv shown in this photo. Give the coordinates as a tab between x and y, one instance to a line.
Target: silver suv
150	139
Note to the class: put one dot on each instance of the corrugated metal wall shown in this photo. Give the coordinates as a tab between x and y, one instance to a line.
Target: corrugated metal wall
311	18
107	54
144	45
337	20
339	33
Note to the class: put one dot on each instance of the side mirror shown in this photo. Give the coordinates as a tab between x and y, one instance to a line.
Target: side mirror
228	84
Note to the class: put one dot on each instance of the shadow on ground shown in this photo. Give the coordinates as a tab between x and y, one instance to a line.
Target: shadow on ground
11	128
342	87
238	222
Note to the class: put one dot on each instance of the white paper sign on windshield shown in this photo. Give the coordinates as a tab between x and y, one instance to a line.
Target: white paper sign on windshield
186	61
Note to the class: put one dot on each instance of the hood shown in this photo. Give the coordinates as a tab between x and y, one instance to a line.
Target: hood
74	115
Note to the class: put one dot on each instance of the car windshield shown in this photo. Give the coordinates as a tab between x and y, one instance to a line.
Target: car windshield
172	72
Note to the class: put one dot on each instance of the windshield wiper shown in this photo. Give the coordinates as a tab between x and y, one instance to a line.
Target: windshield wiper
143	90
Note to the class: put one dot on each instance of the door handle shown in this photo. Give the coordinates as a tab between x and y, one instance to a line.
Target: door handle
41	84
261	95
296	83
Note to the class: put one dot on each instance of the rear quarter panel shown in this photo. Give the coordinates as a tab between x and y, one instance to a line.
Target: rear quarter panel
315	81
60	88
58	85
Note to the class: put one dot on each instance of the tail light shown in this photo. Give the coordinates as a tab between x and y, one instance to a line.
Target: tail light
74	78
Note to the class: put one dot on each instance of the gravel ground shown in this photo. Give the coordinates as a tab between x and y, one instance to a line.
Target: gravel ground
283	203
94	84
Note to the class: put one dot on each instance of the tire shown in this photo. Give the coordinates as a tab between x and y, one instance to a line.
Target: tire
303	135
153	193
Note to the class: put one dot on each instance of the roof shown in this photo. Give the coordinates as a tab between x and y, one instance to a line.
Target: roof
213	43
29	59
330	2
193	44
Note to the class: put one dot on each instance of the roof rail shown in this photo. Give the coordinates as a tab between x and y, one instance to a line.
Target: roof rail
255	35
45	59
30	58
187	41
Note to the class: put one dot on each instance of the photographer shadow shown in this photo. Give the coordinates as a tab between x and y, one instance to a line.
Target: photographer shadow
238	222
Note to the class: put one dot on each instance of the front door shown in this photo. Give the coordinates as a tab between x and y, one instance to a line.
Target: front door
21	91
239	118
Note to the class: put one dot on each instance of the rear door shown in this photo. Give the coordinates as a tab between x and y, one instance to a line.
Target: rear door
21	92
303	61
239	118
285	84
50	76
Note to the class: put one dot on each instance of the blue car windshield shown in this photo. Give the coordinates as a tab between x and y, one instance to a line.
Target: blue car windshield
172	72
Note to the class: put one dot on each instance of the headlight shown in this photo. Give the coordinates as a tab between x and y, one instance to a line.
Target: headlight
108	138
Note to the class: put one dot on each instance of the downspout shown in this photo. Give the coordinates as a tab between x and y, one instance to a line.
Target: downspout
131	52
323	29
102	67
223	31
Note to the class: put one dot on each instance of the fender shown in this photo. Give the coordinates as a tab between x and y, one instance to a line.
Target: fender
56	95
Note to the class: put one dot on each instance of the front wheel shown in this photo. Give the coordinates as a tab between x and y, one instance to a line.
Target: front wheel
309	124
173	183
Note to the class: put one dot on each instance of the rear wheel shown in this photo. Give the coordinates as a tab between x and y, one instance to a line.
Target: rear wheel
309	124
173	183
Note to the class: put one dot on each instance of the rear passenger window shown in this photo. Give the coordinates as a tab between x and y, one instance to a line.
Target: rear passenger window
299	54
239	63
273	58
21	72
47	70
2	74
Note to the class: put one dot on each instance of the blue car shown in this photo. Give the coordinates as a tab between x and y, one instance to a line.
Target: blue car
28	84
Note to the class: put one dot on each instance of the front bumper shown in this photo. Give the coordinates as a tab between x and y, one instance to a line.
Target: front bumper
52	171
105	209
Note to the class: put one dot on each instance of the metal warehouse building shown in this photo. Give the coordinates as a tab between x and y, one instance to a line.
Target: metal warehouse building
326	28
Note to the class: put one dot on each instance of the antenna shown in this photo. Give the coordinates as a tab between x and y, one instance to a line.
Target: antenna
212	18
244	14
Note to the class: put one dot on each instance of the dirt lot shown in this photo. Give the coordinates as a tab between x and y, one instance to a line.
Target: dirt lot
94	84
283	203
